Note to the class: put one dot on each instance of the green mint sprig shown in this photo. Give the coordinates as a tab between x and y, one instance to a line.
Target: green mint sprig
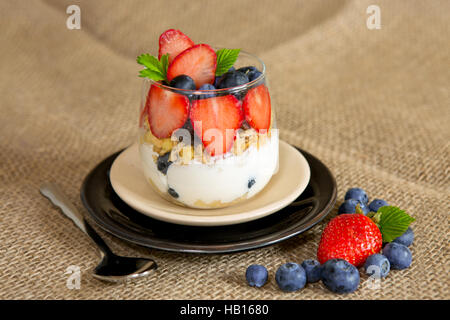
225	60
392	222
154	69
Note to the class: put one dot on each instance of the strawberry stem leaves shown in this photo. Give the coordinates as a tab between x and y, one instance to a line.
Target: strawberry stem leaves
392	222
358	209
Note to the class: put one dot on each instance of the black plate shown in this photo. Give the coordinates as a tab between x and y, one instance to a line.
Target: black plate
116	217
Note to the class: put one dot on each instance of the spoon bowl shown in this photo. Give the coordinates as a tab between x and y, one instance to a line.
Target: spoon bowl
116	268
112	267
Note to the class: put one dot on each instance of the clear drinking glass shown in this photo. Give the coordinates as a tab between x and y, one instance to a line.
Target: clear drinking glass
208	163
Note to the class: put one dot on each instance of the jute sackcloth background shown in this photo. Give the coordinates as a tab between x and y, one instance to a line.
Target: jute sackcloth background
373	105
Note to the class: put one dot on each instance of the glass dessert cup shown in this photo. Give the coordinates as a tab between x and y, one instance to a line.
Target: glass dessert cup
225	152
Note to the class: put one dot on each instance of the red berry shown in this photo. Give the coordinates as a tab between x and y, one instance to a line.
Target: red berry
352	237
198	62
223	114
167	111
257	109
173	42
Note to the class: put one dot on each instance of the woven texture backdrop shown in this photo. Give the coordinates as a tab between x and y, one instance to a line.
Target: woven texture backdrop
373	105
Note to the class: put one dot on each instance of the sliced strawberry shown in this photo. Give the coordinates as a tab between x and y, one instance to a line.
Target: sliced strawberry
173	42
257	110
167	111
215	120
197	62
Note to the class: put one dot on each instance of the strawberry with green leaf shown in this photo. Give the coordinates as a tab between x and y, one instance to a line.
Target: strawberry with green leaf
179	55
354	237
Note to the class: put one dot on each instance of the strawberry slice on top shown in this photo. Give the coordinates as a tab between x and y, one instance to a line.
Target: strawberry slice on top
257	109
198	62
215	121
173	42
167	111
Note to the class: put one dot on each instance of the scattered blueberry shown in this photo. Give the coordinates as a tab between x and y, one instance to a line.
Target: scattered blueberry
247	69
407	238
313	270
206	86
173	193
349	206
252	75
251	182
290	277
377	204
398	255
256	275
357	194
232	79
183	82
163	163
377	261
340	276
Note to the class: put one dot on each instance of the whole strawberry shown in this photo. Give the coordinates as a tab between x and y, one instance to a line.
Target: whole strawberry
352	237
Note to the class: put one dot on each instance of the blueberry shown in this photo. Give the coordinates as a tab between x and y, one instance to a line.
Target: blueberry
290	277
340	276
173	193
357	194
398	255
217	79
232	79
406	238
206	86
251	182
256	275
163	163
349	206
185	133
252	75
377	204
377	264
313	270
183	82
247	69
245	125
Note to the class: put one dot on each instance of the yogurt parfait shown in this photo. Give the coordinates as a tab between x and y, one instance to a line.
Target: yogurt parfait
207	132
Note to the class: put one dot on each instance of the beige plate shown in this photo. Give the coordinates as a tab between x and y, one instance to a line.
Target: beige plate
130	185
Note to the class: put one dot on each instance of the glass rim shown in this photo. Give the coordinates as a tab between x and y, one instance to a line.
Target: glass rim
205	92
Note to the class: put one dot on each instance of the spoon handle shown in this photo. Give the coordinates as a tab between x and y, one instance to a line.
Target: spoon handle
55	195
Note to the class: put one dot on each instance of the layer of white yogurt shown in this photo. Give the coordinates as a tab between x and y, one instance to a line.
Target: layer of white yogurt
225	180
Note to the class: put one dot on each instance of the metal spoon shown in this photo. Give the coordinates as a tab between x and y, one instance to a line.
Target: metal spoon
112	267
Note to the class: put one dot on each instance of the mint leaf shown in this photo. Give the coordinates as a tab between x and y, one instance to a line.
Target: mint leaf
393	222
154	75
225	60
149	61
154	69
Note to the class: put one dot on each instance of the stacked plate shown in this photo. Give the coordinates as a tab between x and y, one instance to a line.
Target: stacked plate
120	201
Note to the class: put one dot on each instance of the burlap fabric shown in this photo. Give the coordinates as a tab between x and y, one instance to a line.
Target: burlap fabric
374	105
